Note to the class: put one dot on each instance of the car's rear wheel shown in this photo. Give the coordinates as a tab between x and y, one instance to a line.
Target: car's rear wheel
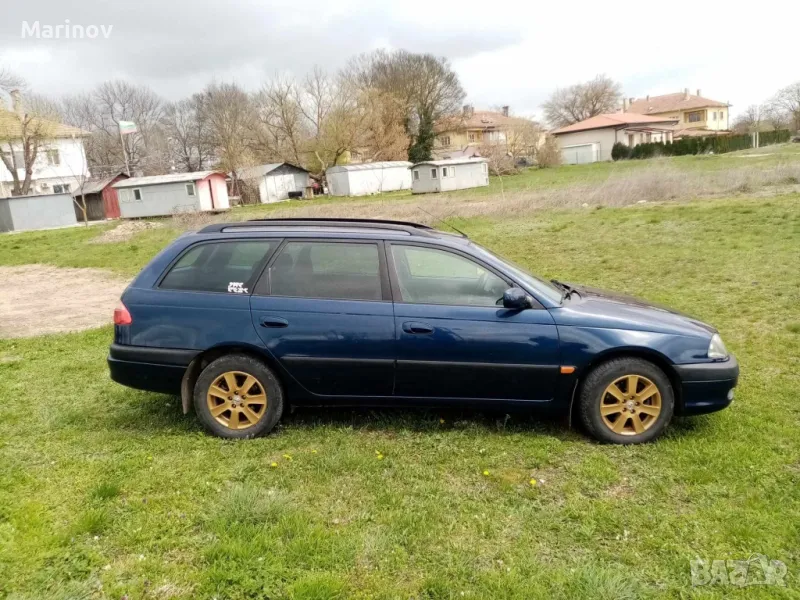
237	396
626	401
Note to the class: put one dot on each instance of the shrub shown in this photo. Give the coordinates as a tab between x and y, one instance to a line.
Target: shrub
780	136
549	155
620	151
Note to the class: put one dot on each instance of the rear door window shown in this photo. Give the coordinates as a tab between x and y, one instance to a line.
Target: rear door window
333	270
229	266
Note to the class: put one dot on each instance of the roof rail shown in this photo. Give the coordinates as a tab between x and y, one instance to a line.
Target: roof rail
415	228
349	221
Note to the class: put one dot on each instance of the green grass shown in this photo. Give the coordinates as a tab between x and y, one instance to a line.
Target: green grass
107	492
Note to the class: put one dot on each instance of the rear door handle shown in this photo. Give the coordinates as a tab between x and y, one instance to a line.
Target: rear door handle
274	322
417	327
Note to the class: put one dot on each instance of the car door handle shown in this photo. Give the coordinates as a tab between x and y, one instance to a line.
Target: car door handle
274	322
417	327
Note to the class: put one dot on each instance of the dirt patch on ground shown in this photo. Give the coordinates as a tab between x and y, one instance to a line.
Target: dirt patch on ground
41	299
124	231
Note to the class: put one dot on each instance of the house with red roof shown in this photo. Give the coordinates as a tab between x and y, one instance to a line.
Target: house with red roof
696	115
592	139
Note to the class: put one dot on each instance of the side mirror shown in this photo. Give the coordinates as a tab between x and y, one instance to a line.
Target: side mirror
516	299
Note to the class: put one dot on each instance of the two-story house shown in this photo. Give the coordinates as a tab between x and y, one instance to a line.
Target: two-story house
60	165
695	114
461	136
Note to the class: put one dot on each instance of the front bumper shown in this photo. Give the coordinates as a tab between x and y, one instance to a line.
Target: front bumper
707	387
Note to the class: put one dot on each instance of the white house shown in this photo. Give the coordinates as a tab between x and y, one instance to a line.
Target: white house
277	181
447	175
162	195
591	140
60	164
368	178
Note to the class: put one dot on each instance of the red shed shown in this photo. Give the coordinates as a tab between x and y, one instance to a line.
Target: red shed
101	198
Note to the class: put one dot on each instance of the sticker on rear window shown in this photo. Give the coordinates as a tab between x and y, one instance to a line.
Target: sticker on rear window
237	287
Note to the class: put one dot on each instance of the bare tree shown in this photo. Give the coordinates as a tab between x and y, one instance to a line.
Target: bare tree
522	140
383	136
582	101
283	130
776	116
426	86
9	81
188	134
749	120
24	132
332	116
231	118
100	113
787	100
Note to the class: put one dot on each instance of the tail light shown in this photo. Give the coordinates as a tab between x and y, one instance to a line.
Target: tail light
121	315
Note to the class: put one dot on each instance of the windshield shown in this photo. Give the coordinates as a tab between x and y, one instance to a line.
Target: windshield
545	288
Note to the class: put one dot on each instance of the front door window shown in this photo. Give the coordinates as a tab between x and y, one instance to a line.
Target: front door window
431	276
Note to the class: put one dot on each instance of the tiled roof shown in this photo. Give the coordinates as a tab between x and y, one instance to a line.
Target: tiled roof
479	119
671	102
614	120
11	127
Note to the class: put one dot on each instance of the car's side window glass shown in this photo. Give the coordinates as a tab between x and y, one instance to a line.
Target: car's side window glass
431	276
218	267
333	270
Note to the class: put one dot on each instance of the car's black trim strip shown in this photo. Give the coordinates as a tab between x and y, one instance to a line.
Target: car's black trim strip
476	365
337	361
158	356
710	371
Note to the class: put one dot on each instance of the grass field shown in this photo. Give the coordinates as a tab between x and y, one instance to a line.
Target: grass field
107	492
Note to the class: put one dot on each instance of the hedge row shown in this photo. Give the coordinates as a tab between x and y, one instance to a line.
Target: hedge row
716	144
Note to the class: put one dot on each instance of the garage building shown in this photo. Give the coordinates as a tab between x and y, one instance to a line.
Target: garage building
591	140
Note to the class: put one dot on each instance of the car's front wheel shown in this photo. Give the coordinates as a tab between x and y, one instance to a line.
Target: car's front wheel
237	396
626	401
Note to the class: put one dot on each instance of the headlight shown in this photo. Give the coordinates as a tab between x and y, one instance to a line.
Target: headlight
716	349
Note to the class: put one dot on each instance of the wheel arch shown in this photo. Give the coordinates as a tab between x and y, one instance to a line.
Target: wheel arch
648	354
202	360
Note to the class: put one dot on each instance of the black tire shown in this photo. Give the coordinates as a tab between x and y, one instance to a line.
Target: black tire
266	381
593	392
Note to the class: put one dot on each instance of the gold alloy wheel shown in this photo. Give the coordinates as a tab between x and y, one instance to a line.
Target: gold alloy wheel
237	400
630	405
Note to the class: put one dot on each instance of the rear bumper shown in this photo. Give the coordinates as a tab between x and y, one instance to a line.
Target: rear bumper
707	387
151	369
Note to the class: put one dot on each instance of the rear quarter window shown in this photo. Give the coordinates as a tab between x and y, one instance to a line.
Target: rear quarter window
226	266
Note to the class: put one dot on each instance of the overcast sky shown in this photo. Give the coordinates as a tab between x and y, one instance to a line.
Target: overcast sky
511	52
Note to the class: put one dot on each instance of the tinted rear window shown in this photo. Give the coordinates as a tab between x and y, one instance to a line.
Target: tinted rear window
218	266
327	270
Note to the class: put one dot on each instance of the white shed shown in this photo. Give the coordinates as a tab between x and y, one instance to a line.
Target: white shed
277	181
452	174
163	195
368	178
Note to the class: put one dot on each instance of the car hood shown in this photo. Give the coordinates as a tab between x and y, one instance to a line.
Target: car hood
603	308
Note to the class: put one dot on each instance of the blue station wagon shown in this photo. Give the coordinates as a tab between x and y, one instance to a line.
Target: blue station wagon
240	319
